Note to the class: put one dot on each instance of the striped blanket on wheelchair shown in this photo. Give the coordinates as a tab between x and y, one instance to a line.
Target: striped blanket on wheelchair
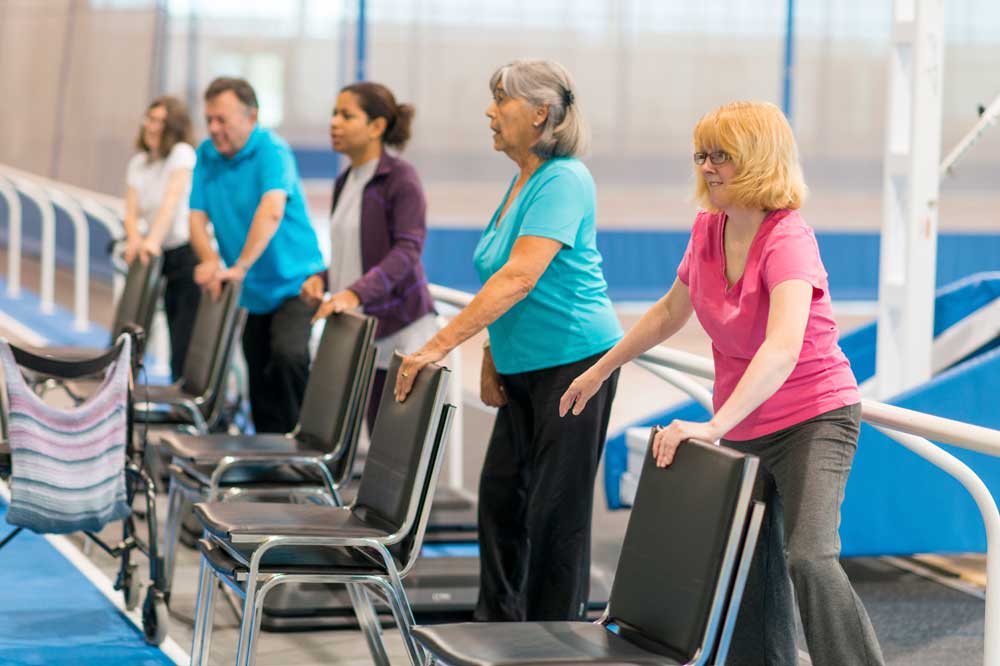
67	464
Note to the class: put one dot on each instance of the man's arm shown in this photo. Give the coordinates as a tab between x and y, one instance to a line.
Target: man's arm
266	219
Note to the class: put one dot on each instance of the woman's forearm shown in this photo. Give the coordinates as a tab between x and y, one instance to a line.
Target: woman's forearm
131	220
655	326
500	293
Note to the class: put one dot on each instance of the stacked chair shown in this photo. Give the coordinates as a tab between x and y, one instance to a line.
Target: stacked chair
677	590
195	401
370	545
312	460
133	315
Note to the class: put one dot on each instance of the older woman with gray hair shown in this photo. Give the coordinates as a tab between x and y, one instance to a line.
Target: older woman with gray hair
544	300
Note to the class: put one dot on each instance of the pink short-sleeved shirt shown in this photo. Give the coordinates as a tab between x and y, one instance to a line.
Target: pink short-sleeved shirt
735	318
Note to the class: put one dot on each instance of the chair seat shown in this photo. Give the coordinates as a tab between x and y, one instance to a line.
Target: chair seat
299	560
227	520
255	478
532	644
211	449
67	353
162	393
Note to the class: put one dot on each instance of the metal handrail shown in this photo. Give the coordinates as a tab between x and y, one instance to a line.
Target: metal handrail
78	204
909	428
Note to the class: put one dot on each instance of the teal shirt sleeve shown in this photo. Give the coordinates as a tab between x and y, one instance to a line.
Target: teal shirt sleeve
557	209
277	170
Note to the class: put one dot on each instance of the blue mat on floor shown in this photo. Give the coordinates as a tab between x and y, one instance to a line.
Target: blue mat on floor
51	614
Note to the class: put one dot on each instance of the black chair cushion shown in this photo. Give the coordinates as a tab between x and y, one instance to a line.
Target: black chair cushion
531	643
164	394
228	519
299	560
251	478
211	449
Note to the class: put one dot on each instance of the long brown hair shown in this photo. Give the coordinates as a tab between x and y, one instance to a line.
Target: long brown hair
176	128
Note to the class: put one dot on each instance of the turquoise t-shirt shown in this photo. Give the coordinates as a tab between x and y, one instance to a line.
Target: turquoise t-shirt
568	315
229	190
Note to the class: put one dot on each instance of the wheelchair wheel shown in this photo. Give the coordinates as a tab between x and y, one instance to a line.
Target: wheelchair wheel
154	617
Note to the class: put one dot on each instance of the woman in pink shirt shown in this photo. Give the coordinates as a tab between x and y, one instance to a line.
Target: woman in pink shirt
784	390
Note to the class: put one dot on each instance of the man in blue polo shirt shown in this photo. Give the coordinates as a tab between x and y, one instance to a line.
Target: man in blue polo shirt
246	185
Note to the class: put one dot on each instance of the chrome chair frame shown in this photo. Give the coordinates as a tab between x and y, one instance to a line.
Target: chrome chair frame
188	482
246	575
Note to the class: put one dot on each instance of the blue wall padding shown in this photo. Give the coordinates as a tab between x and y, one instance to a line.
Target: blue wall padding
896	502
952	303
641	265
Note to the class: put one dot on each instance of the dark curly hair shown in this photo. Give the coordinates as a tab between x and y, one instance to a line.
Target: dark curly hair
377	101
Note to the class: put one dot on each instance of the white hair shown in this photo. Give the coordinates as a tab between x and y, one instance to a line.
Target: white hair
547	83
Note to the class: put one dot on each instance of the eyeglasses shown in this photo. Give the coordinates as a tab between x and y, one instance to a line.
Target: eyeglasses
715	157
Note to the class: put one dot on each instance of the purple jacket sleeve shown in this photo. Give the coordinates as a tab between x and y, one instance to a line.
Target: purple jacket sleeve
407	209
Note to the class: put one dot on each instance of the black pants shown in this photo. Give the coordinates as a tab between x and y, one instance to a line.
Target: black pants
536	494
180	300
276	347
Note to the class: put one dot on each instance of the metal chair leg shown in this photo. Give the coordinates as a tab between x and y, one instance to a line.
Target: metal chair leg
369	623
258	614
403	615
175	502
204	615
246	622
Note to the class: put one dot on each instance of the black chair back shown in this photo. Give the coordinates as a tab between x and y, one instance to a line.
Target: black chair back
400	451
211	336
337	381
407	551
684	532
137	303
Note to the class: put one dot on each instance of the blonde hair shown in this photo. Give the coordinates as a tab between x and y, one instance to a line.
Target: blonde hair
760	143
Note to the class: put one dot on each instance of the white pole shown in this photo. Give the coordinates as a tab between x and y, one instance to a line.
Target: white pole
13	238
907	266
116	228
81	258
48	250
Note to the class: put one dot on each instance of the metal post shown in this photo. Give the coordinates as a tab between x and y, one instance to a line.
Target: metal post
192	92
159	49
907	265
63	84
789	66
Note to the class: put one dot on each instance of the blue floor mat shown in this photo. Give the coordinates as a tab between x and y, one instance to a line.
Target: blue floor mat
51	614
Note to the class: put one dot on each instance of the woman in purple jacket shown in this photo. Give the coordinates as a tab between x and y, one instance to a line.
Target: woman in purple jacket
377	229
